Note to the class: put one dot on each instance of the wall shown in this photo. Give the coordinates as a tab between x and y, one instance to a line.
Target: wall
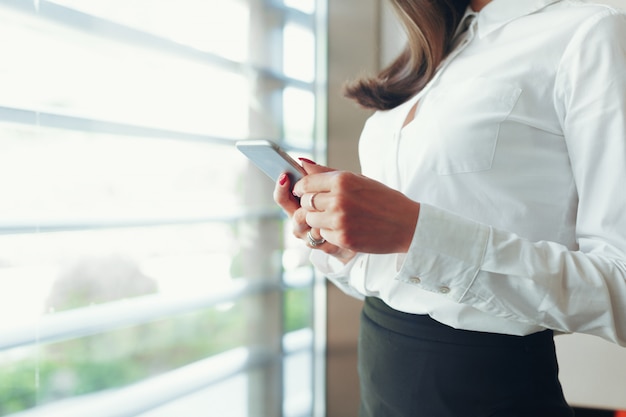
593	371
353	44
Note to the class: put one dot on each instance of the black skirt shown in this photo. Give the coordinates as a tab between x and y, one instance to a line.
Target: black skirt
413	366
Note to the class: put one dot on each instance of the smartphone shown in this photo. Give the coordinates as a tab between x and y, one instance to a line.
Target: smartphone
271	159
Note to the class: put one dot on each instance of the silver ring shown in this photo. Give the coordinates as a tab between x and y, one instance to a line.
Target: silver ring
314	242
311	202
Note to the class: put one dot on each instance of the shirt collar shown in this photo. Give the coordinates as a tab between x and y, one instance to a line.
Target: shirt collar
500	12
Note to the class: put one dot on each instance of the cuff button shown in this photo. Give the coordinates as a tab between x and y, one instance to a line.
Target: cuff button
415	280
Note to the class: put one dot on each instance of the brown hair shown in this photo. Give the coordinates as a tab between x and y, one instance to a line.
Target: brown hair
429	25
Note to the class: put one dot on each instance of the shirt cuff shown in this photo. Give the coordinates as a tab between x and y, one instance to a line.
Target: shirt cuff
337	272
445	254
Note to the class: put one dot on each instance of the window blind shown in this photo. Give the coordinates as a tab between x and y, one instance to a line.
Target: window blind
144	268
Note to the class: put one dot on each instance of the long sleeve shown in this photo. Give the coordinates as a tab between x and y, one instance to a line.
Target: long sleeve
569	289
336	272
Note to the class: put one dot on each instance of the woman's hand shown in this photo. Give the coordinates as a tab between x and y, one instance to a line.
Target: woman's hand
291	205
353	212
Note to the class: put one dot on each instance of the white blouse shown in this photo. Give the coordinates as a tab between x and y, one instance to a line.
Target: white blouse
517	153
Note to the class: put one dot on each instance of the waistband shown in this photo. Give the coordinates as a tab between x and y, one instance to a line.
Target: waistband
425	328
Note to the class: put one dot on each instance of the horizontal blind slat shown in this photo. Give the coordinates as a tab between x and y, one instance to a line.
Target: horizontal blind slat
157	391
98	224
54	120
100	318
128	35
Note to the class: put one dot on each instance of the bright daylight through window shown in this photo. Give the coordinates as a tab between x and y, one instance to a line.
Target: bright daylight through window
144	267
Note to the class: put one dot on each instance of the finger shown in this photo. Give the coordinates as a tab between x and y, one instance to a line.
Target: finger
316	233
313	168
343	255
322	222
332	238
311	201
317	220
327	245
284	197
314	183
314	238
300	226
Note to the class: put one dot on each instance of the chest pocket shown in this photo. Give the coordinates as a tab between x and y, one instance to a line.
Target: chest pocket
463	123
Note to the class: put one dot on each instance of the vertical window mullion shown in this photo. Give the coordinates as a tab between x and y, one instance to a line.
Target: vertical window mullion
265	387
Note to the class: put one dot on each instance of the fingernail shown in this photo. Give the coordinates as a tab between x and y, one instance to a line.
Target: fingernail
308	161
282	179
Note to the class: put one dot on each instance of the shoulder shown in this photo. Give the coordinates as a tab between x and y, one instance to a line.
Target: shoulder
593	63
588	12
568	25
594	25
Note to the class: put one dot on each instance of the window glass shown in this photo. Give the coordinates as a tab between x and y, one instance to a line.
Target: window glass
299	116
144	266
299	56
47	373
306	6
115	81
219	27
54	174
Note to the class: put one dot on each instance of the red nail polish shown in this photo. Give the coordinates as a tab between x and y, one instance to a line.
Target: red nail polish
282	179
308	161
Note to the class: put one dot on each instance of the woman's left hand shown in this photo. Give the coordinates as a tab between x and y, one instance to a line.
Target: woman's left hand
356	212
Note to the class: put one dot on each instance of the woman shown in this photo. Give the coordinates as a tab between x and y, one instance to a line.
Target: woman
490	212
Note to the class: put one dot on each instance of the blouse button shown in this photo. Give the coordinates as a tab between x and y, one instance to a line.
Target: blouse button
415	280
444	290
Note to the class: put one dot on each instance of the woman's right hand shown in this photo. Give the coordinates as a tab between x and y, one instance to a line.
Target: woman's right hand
291	205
